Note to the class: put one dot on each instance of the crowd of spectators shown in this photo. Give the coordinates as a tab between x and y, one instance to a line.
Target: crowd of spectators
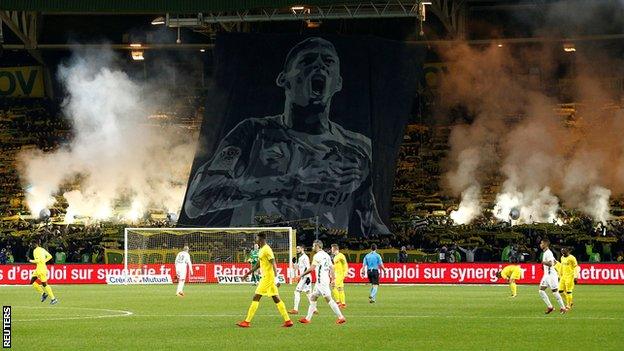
72	243
25	123
420	214
40	124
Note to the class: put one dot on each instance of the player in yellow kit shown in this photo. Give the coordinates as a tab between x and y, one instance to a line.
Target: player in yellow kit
341	268
511	273
40	257
567	275
268	284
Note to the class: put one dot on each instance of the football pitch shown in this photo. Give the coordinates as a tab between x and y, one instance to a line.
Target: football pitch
140	317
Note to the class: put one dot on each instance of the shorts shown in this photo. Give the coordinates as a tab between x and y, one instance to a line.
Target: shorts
181	271
305	284
550	280
566	284
266	287
41	275
339	283
321	289
373	276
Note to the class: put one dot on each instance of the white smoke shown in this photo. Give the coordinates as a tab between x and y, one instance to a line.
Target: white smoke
464	179
115	159
534	206
531	166
597	204
469	207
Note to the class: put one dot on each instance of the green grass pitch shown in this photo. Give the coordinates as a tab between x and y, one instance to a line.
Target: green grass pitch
101	317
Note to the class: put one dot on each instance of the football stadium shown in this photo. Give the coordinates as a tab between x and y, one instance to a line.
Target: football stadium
327	175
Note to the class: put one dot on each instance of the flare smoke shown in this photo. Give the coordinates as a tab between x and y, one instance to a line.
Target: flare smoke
115	159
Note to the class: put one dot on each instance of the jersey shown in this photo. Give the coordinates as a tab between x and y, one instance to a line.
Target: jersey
41	256
183	259
253	257
549	257
372	260
265	256
305	283
568	266
303	263
323	263
511	271
341	267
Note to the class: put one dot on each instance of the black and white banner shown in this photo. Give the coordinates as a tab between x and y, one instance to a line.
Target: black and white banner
298	127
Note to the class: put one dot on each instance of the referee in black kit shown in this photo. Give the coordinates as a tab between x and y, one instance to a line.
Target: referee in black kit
372	262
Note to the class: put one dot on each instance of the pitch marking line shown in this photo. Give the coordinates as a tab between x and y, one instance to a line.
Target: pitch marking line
382	316
119	313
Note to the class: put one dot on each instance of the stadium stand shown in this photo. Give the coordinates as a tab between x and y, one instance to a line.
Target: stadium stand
420	212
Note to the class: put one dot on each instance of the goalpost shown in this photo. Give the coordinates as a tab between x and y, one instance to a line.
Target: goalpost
207	246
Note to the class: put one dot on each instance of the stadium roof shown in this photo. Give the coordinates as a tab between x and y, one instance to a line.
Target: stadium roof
155	6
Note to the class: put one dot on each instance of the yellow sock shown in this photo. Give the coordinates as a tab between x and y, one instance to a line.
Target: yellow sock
48	289
282	310
514	288
38	287
342	296
252	310
336	295
569	299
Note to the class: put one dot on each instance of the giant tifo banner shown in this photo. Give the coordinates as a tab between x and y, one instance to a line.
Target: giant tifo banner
21	82
302	127
395	273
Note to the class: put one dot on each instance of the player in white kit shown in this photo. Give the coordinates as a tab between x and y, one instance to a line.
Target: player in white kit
183	260
322	263
550	279
305	283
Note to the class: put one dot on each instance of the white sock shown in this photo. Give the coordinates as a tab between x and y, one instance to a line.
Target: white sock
297	299
335	308
180	286
310	299
545	298
559	299
311	310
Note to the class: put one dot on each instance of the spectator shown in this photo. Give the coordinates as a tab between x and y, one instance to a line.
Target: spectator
3	256
60	256
75	256
589	249
451	256
595	257
505	253
514	254
470	254
606	252
620	257
85	257
402	255
442	254
96	256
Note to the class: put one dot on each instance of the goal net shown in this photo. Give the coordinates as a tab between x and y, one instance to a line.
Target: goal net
218	254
